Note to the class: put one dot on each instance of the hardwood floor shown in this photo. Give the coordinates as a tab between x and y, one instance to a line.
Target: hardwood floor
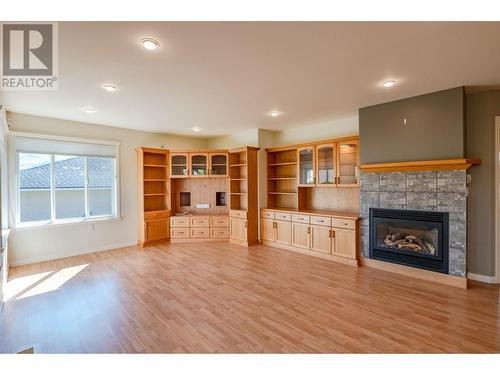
217	297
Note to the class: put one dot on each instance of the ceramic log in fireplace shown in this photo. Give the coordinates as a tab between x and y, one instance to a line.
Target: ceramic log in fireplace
412	238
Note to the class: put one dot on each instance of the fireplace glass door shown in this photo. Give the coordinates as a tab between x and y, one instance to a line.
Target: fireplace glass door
408	237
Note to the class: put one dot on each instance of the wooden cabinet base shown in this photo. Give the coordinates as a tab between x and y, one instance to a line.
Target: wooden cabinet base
334	258
152	243
242	242
208	239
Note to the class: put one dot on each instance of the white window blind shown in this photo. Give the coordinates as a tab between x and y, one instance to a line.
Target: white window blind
63	147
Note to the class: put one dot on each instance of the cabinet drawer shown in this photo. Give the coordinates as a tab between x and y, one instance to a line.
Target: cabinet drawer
179	233
283	216
267	214
321	220
342	223
300	218
179	222
199	221
219	232
238	213
199	232
155	215
219	221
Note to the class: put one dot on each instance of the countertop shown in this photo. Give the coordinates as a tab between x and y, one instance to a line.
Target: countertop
339	214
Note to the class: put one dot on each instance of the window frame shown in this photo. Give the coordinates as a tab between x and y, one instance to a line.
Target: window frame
115	187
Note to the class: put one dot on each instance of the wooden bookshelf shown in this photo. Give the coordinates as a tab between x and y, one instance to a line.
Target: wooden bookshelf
282	178
307	176
243	195
154	195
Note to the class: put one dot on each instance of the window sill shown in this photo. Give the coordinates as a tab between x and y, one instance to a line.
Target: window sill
63	223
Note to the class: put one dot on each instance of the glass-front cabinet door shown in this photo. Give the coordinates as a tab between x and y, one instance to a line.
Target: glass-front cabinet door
199	165
325	164
218	164
306	166
348	163
179	165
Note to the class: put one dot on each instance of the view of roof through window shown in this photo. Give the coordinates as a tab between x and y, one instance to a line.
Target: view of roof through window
69	172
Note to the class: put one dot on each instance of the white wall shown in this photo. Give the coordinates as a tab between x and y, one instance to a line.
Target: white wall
48	242
326	129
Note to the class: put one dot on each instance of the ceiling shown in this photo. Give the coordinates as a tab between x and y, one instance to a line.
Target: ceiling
226	77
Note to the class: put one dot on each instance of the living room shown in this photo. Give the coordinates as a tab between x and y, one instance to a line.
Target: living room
251	187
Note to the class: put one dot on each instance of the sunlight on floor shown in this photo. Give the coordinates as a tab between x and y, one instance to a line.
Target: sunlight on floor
43	282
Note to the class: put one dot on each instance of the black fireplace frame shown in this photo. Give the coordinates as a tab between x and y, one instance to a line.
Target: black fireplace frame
436	264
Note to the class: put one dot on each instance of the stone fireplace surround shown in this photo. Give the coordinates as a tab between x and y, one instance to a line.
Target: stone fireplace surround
444	191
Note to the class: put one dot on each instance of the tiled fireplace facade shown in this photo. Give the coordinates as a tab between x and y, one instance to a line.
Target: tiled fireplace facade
444	191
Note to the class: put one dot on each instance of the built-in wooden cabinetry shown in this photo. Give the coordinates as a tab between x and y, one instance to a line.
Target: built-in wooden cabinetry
243	191
303	183
209	194
204	163
330	235
293	170
154	195
207	227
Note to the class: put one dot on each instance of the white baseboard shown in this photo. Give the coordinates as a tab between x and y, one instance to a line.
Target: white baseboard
482	278
20	262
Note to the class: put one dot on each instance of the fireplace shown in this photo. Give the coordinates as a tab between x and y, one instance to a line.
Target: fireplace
412	238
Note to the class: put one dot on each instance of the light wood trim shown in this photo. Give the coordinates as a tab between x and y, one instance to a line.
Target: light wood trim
154	150
427	165
312	143
335	214
441	278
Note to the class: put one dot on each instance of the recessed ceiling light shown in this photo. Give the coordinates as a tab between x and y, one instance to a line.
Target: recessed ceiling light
150	43
109	87
389	83
275	113
195	128
88	110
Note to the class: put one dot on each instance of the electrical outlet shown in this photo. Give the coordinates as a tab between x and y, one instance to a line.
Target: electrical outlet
91	227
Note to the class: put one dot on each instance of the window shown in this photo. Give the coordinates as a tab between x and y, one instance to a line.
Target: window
65	184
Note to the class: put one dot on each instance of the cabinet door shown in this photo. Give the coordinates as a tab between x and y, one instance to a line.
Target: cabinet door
320	239
239	228
156	230
326	164
179	166
267	229
301	235
344	242
199	164
218	164
348	164
283	232
305	166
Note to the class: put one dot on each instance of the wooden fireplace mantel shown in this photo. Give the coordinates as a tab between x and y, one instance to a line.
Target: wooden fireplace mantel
427	165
